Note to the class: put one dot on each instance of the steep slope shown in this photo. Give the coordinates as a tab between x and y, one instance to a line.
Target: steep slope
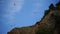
49	24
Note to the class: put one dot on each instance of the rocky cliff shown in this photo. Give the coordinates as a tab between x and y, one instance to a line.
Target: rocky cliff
49	24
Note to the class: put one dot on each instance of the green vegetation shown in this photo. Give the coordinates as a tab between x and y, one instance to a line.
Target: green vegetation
58	5
50	30
46	12
51	7
43	31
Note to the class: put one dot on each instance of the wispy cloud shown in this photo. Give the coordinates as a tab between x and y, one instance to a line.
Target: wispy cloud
12	7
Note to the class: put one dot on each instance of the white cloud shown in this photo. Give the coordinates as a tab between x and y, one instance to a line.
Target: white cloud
12	7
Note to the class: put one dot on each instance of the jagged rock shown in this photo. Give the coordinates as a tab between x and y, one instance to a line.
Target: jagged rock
49	23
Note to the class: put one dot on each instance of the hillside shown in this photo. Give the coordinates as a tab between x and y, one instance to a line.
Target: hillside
49	24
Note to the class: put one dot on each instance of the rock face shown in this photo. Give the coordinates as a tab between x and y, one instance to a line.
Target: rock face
50	22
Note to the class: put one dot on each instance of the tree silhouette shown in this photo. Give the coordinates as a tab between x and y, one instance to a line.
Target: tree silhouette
51	6
58	5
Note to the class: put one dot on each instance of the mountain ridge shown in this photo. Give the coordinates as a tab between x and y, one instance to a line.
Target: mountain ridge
49	24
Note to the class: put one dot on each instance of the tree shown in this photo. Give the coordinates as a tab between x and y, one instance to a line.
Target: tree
51	6
58	5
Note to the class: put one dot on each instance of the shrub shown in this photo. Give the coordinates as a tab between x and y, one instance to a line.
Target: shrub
43	31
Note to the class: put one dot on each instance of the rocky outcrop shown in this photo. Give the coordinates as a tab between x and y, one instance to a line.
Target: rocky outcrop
49	24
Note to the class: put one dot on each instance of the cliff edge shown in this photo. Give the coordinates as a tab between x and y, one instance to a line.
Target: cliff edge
49	24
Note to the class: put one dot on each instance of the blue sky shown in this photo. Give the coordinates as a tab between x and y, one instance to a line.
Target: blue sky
20	13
